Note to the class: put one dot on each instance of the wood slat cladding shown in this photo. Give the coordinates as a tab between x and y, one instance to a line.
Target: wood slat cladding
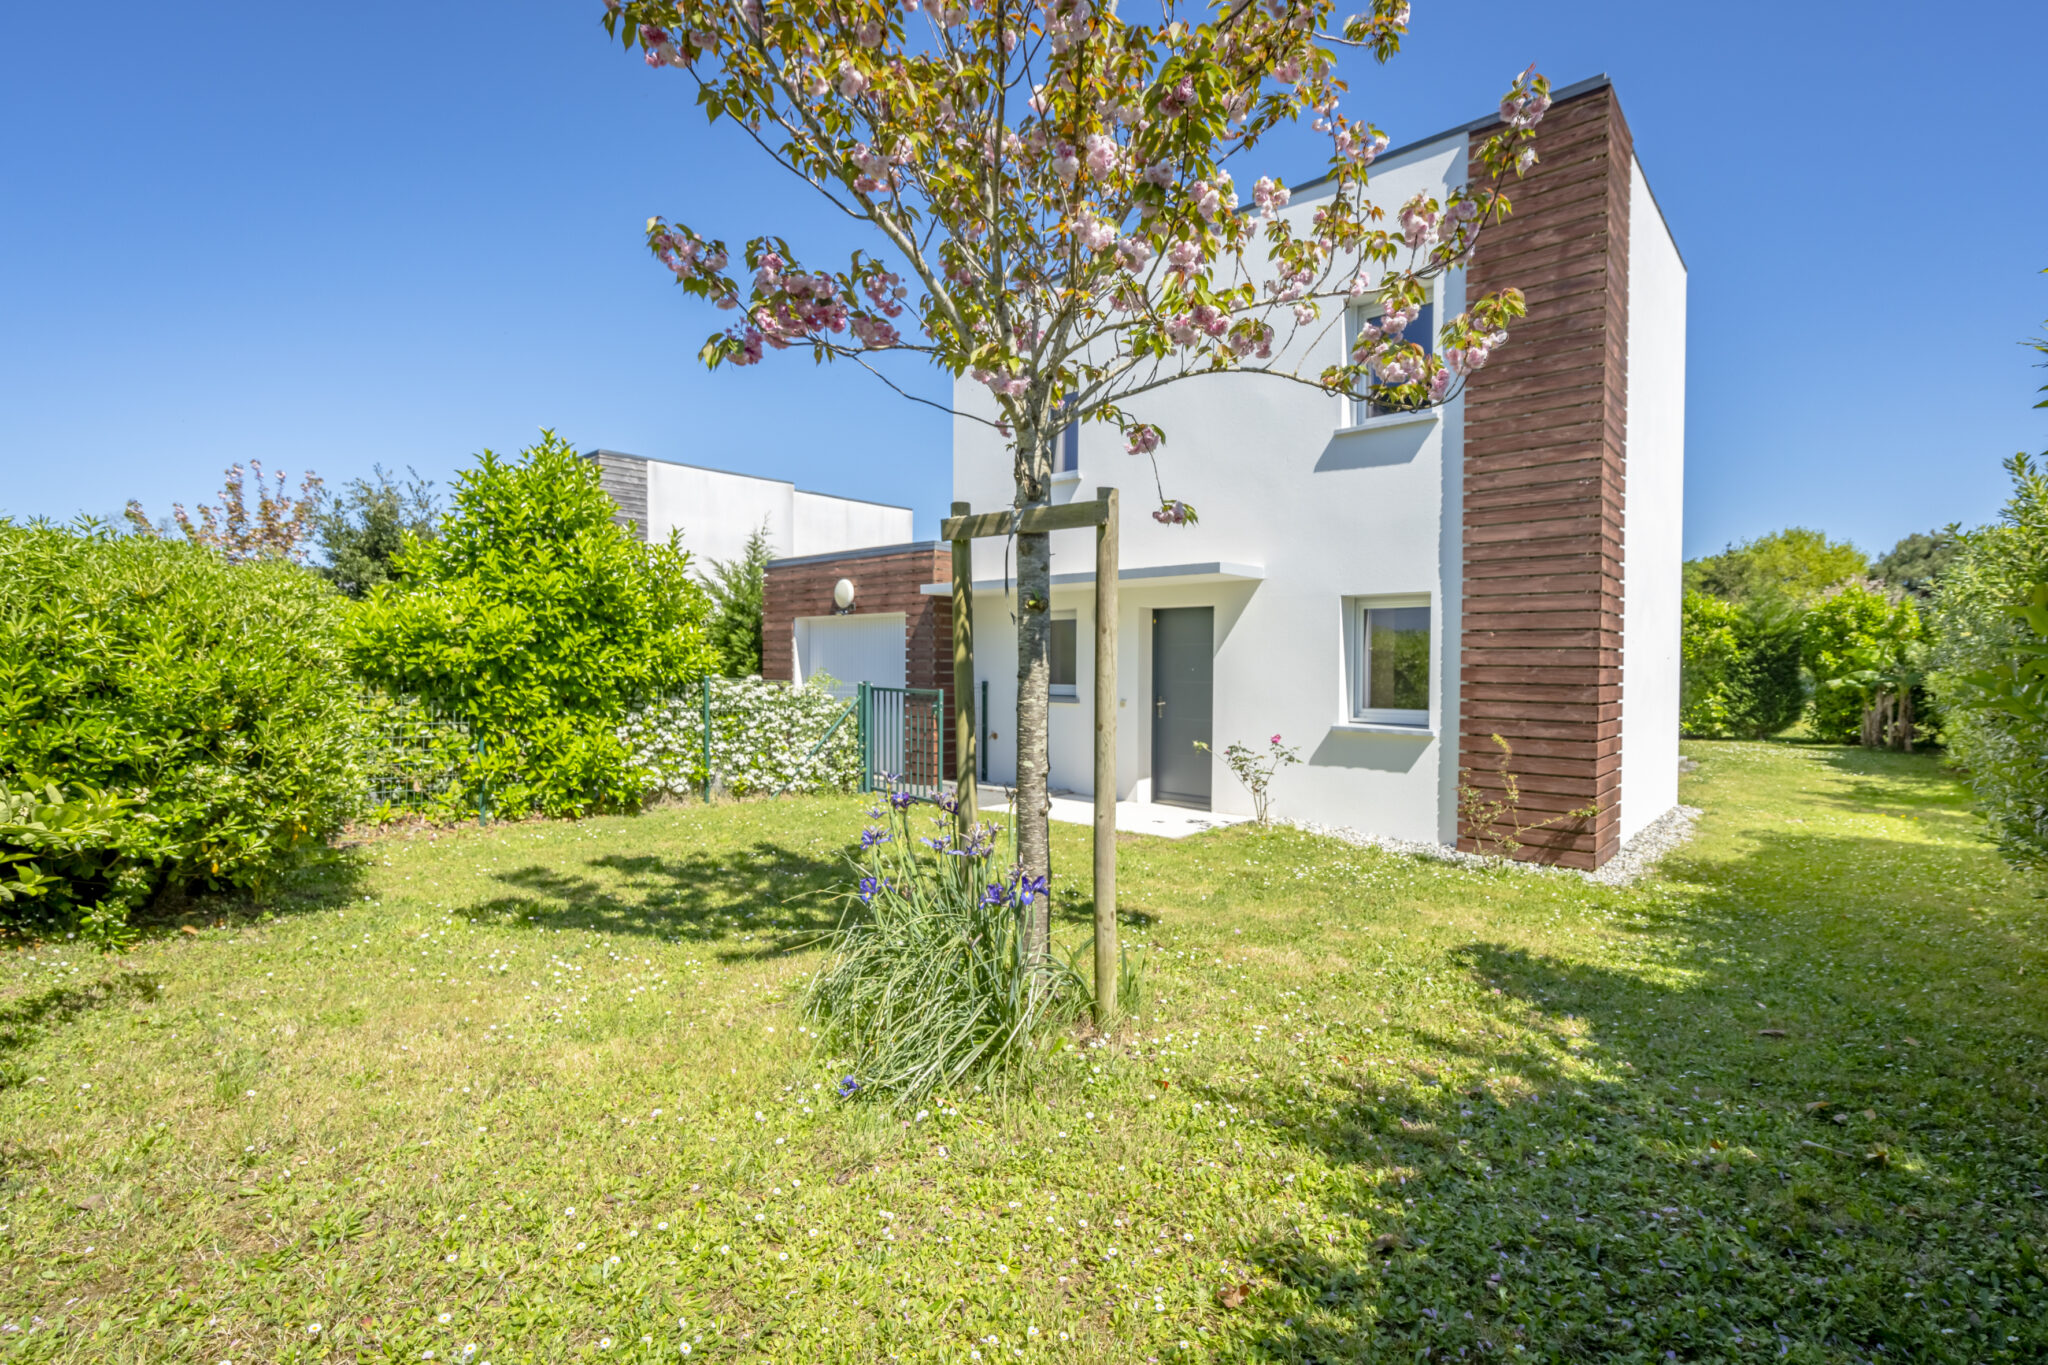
1544	492
624	477
884	581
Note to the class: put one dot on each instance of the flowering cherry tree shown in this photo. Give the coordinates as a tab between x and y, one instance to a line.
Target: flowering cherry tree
1055	215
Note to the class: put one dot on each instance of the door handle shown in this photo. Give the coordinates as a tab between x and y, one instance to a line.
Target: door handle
1159	708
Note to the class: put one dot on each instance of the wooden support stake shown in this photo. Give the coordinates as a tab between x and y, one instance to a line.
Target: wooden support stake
964	788
1106	955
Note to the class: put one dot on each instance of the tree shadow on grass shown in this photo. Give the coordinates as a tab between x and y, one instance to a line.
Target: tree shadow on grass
760	901
26	1018
1629	1158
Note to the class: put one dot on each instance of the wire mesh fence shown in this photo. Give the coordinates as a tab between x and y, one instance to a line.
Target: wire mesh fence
418	762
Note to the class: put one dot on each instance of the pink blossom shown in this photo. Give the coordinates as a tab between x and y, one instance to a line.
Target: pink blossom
1182	256
1439	385
1144	439
1159	173
1038	103
1066	165
1103	154
1360	282
1287	72
851	83
1093	233
1135	253
1418	222
875	332
1274	740
1268	195
1208	200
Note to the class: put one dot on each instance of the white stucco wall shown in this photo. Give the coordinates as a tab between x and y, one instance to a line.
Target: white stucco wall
717	510
823	524
1654	509
1324	513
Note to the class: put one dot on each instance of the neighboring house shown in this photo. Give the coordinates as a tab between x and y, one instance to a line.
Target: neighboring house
717	510
1385	590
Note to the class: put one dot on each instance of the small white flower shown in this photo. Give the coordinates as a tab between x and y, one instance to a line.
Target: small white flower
312	1329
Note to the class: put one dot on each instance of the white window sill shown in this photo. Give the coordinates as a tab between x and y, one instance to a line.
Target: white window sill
1066	476
1390	419
1070	698
1384	727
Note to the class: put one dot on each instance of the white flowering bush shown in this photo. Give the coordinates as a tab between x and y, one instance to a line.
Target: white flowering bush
765	739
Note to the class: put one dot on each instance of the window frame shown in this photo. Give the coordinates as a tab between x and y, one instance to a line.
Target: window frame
1071	691
1358	412
1358	663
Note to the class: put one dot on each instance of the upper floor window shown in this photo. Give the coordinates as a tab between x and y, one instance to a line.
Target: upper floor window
1422	329
1065	651
1390	655
1066	456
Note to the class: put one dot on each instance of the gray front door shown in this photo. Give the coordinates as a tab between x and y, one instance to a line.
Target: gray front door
1183	681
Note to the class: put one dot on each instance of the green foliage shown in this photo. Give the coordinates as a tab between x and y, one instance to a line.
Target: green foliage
1917	561
1856	642
154	674
1740	667
1708	656
767	738
739	590
1990	665
362	529
541	623
929	984
416	763
64	861
1795	565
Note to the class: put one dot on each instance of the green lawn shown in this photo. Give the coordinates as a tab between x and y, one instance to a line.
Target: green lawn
543	1089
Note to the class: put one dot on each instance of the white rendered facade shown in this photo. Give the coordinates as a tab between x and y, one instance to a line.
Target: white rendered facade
1306	515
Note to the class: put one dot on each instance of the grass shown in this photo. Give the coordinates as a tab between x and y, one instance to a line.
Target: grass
543	1089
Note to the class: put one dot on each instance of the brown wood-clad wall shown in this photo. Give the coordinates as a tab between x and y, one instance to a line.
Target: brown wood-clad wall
1545	459
882	583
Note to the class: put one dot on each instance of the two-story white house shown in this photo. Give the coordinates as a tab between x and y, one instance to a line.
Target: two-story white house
1386	592
1389	591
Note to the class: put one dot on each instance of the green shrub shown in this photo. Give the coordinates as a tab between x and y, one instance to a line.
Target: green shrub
929	985
1853	636
1739	667
739	596
1989	665
541	623
1708	655
154	672
68	861
766	738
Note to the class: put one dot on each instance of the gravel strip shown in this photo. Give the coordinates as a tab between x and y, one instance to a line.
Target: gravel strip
1637	857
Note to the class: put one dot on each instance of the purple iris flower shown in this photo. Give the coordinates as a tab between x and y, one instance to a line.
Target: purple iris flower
997	894
949	805
870	837
901	800
847	1086
870	887
1029	889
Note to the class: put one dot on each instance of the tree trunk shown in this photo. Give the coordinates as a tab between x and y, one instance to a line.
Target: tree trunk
1034	677
1034	684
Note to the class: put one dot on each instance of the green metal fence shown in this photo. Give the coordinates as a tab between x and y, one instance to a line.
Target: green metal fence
903	740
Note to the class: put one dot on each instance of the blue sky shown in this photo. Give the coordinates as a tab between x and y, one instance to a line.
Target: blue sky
381	237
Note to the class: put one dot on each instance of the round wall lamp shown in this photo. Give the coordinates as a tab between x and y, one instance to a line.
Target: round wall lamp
842	596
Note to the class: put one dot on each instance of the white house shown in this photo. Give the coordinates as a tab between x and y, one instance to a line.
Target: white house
1389	592
717	510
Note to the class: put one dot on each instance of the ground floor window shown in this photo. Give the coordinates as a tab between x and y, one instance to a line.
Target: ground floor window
1388	645
1065	646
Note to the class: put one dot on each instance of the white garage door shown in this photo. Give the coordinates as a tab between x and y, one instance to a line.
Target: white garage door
866	648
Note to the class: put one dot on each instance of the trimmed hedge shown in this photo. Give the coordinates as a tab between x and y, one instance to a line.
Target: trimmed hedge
154	672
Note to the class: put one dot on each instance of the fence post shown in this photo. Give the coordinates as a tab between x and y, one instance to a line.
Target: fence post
982	748
707	739
860	699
